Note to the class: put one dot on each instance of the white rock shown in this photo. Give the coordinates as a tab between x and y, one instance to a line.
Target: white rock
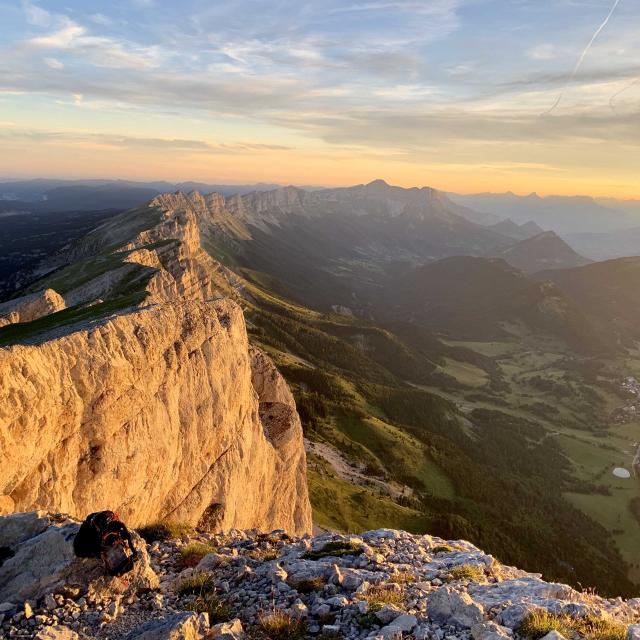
489	631
227	630
554	635
331	630
447	606
633	633
181	626
57	632
402	624
388	613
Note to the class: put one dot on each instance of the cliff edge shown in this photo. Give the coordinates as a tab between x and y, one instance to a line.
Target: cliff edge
142	395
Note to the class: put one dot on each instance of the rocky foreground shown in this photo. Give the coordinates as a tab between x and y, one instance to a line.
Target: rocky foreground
242	584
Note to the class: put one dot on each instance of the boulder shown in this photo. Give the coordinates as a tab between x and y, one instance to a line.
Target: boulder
58	632
554	635
231	630
450	607
404	623
489	631
181	626
18	527
388	613
45	563
633	632
513	615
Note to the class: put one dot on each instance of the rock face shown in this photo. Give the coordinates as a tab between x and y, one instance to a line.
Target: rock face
159	413
159	410
30	307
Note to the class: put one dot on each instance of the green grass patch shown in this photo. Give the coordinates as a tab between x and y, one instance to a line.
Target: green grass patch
162	530
34	330
540	622
191	554
466	572
198	584
336	549
341	506
278	625
308	585
442	548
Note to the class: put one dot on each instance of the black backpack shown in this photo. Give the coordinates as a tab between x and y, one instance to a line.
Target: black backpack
103	535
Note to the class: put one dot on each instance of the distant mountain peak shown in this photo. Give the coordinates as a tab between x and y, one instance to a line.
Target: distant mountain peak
546	250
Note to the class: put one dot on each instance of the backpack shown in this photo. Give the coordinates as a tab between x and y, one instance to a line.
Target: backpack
103	535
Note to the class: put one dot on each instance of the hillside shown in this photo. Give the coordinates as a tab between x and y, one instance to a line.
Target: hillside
545	250
474	298
516	231
605	292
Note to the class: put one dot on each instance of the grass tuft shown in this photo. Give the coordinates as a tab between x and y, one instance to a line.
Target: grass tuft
264	555
161	530
191	554
278	625
466	572
442	548
540	622
379	595
337	548
402	577
197	584
309	585
212	604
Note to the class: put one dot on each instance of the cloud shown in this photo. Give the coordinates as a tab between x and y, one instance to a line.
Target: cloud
54	63
132	143
100	18
544	52
101	51
36	15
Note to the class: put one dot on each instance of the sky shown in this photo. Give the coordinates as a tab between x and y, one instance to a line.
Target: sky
461	95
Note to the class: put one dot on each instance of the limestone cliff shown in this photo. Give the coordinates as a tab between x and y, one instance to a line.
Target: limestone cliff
146	398
157	413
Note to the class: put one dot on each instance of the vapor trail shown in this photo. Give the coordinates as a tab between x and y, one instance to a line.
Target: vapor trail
612	99
583	56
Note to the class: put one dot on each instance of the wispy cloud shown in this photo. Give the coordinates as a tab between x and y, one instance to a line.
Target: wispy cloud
35	14
54	63
126	143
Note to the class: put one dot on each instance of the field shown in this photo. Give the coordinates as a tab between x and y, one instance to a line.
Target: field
594	449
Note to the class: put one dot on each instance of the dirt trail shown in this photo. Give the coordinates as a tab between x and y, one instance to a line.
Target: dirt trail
354	473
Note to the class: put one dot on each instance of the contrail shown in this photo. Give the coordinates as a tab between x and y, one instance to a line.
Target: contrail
612	99
583	56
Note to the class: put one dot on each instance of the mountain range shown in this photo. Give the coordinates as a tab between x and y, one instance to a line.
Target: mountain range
439	387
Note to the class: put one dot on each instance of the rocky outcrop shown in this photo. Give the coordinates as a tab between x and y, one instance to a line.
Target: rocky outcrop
160	413
31	307
43	562
379	585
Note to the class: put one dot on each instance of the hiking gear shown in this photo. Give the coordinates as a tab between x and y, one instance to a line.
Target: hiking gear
103	535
